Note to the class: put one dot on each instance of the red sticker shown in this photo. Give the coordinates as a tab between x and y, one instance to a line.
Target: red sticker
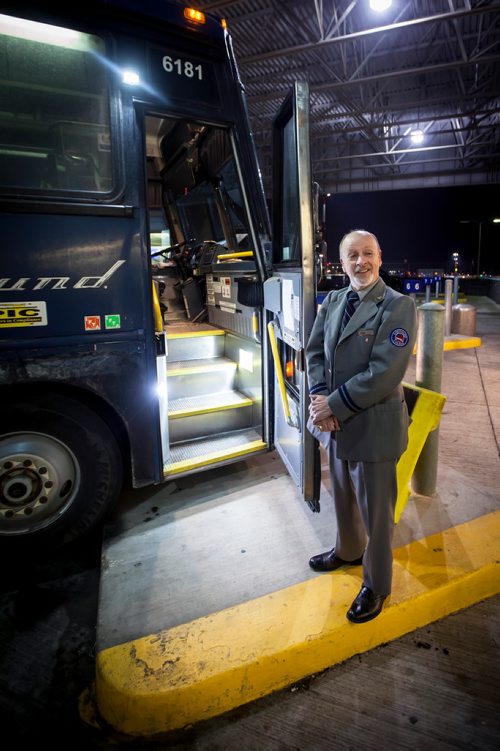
92	323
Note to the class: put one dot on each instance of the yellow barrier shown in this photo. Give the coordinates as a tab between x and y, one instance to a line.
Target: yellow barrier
425	417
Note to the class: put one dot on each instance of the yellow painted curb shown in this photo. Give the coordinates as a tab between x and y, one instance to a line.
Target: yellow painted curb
204	668
457	341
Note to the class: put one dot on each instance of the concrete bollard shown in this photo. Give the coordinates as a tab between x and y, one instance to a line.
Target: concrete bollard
455	291
464	320
448	291
427	293
429	369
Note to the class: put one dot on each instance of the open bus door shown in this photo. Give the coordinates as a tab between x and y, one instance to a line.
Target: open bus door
290	294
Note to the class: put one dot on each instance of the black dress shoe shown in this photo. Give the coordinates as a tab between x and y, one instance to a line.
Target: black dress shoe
329	561
366	606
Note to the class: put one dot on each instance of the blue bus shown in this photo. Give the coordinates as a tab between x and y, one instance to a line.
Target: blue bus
152	323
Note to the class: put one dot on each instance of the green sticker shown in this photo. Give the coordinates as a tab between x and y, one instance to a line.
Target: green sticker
112	321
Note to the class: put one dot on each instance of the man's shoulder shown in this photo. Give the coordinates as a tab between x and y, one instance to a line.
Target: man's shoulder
392	294
335	294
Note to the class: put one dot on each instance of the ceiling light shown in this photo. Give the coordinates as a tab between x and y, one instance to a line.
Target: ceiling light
417	136
380	4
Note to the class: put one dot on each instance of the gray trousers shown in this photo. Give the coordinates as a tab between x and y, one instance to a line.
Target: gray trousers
365	495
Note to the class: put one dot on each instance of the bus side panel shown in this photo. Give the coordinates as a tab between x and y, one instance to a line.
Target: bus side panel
82	319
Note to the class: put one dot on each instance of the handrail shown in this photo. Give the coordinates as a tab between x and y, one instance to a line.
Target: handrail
236	254
279	375
157	310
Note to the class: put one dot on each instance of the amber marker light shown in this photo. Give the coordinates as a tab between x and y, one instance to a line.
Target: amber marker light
194	15
223	23
289	369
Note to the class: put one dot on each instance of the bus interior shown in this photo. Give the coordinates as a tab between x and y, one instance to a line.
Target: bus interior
210	297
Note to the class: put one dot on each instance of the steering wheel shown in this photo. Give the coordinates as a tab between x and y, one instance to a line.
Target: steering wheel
177	246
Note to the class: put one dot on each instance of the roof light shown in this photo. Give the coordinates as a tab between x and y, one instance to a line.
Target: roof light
417	135
223	23
194	15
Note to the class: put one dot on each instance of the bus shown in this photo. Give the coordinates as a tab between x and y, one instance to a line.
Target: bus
153	319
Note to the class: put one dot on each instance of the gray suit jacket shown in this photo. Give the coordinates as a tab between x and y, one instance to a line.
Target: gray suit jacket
361	371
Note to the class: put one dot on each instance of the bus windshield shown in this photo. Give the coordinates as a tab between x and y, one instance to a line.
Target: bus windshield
192	168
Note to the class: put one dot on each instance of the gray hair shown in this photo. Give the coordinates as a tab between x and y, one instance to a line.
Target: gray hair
362	232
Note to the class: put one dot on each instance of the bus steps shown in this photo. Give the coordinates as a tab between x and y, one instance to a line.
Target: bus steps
200	376
190	456
194	417
210	420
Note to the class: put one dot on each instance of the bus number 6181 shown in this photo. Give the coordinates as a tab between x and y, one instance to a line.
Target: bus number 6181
182	67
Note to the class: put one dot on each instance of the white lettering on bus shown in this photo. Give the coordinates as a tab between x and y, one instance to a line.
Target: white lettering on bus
59	282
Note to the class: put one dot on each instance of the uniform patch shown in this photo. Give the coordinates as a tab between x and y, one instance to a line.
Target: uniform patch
399	337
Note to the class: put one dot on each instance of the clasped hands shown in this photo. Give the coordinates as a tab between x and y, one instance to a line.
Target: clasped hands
321	413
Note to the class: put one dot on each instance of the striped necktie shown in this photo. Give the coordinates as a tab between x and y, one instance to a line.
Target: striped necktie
351	300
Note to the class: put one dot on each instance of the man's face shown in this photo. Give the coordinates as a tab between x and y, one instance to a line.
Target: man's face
361	260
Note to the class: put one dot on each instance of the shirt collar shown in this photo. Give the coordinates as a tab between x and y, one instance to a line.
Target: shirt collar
363	292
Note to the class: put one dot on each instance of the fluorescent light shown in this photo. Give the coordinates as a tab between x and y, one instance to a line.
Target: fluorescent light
417	135
380	4
47	34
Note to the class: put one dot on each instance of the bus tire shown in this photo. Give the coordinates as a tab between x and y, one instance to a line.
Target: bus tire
61	470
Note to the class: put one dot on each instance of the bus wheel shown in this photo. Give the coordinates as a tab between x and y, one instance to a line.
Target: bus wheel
60	470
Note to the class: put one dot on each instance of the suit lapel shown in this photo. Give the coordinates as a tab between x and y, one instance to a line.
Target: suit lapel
336	320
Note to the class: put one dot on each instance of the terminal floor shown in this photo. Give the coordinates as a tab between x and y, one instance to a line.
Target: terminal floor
437	687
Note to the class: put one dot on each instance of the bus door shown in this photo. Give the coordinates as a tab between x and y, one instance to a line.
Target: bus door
289	295
207	293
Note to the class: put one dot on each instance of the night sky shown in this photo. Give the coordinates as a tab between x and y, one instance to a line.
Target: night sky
422	227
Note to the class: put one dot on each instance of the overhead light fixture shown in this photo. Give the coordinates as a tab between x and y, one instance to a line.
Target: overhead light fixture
417	136
380	4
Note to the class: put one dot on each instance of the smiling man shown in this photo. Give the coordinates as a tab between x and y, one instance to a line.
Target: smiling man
357	355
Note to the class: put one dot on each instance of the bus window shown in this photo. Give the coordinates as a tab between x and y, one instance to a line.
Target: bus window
192	173
54	118
199	185
288	247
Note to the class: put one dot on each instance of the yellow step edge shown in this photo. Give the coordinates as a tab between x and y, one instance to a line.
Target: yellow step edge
205	410
179	676
200	369
214	456
193	334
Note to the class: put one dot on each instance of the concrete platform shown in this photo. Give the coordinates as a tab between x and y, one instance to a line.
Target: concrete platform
207	601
